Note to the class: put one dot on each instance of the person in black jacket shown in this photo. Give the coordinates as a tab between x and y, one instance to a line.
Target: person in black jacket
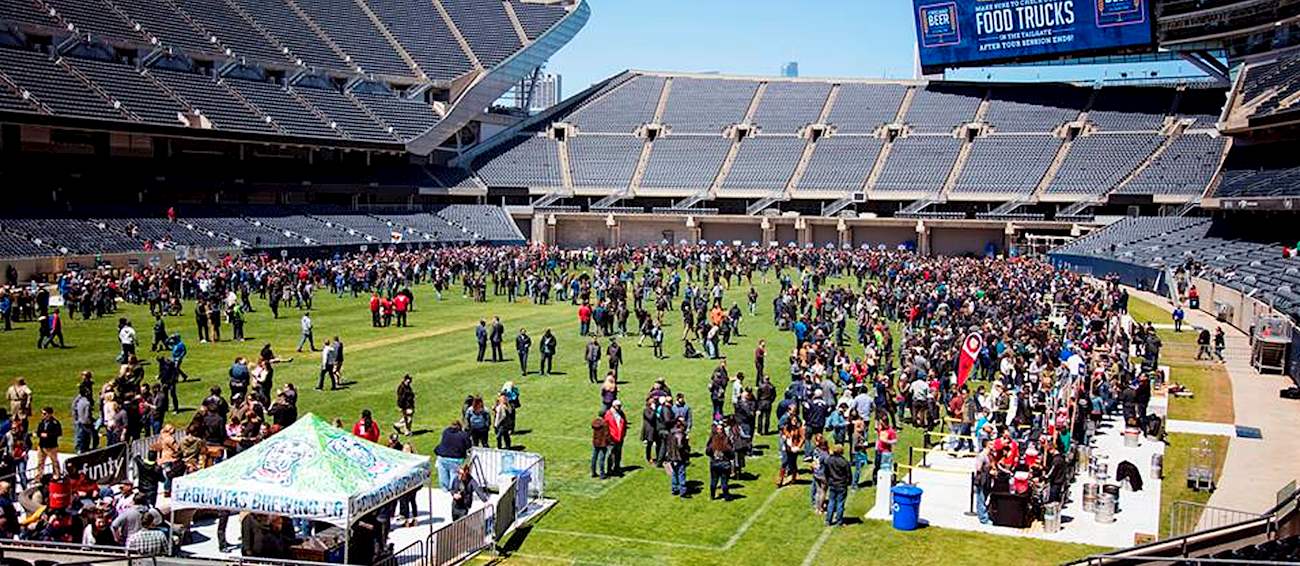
523	343
592	356
481	336
547	350
495	335
48	432
615	355
721	458
148	476
838	476
464	488
677	453
451	453
405	405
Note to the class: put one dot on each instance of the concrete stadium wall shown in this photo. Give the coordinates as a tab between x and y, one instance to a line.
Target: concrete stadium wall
29	268
823	234
730	231
644	233
580	233
785	233
957	241
890	236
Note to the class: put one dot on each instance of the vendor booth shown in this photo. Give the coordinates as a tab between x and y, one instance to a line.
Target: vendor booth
314	471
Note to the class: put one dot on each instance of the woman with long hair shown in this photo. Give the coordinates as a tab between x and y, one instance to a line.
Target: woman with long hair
792	439
503	421
721	457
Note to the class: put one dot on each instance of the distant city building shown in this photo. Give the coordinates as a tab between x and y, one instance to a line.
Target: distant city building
790	69
547	92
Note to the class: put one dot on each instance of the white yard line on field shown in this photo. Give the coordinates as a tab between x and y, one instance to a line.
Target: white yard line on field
817	546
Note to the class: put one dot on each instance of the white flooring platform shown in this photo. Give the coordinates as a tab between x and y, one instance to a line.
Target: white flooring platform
946	496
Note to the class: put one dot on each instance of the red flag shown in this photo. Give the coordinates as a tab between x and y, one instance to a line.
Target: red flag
970	351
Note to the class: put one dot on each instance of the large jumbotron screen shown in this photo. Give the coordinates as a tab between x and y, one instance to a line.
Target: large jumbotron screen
954	33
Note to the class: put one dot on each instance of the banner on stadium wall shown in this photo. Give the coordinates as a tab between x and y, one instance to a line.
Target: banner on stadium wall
954	33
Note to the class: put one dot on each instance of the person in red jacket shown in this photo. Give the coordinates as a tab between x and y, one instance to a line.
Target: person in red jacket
400	304
584	319
386	307
374	309
366	428
616	422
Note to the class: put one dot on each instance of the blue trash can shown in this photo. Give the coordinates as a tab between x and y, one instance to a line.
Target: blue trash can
906	507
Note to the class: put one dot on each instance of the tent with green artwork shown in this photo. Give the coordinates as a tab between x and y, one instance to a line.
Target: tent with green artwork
311	470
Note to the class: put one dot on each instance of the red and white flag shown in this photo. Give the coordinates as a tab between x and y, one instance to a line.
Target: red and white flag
970	352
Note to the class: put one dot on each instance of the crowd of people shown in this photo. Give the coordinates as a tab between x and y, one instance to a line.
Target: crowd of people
877	336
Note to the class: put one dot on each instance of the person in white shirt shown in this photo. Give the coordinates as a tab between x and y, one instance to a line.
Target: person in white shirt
306	339
126	335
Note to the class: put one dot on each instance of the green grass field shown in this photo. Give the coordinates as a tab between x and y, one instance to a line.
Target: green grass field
632	520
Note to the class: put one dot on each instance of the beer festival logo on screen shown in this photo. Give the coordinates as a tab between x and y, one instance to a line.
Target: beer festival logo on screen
1119	13
939	24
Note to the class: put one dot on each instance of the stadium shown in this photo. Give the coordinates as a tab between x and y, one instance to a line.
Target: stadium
1037	321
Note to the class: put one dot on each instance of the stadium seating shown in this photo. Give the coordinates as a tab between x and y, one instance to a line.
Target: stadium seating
232	30
283	108
350	28
1096	163
523	162
788	106
1131	109
764	162
940	108
15	246
707	106
25	12
74	235
489	223
487	28
292	33
861	108
136	92
212	99
350	117
409	118
95	18
1023	110
161	20
918	163
1185	167
685	162
1005	164
163	232
429	224
621	110
53	86
535	18
604	160
425	35
1231	254
840	163
1261	170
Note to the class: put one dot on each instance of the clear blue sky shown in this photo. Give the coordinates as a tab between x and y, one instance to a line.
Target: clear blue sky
829	38
858	38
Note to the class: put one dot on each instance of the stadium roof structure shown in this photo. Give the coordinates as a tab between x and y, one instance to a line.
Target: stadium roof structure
315	72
